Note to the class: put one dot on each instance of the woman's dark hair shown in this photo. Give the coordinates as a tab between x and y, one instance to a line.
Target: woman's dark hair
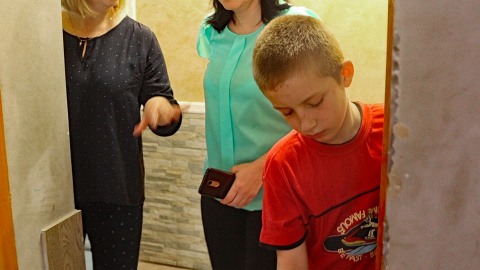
221	17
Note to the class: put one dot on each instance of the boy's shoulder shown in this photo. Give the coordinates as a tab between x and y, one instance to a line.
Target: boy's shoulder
287	147
374	113
377	109
371	129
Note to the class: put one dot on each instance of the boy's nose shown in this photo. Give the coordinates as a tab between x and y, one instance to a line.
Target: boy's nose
307	124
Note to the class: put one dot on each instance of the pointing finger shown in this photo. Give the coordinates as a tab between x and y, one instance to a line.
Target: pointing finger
140	127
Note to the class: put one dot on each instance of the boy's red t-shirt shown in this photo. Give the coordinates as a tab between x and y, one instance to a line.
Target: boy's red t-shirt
326	195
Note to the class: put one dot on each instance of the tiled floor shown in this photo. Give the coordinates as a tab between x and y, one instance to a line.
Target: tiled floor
141	265
150	266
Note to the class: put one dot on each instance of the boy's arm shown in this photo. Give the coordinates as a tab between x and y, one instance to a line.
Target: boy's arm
293	259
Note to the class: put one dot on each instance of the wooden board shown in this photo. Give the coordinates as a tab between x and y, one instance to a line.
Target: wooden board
63	246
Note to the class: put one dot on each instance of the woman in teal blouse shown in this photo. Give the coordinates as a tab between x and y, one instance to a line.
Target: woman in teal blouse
241	126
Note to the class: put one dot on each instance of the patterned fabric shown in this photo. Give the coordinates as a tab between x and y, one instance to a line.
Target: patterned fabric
121	70
114	232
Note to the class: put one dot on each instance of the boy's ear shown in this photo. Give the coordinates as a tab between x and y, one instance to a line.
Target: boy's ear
347	73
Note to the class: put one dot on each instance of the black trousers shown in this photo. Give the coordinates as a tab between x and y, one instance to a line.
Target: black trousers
232	237
114	232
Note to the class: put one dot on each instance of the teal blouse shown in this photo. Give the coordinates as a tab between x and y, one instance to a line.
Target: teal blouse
241	124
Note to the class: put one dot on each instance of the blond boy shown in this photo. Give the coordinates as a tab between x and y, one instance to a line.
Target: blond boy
321	181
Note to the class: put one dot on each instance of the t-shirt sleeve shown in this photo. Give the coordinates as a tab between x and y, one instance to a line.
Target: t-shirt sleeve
283	227
203	39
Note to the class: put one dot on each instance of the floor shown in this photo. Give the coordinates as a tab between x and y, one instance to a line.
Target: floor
151	266
141	265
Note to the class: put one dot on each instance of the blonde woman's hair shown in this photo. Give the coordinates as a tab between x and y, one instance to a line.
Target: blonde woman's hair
82	8
292	43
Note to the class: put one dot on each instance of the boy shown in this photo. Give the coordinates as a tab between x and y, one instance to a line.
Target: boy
321	181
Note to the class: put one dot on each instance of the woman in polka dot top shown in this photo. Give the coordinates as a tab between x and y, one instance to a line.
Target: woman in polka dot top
113	65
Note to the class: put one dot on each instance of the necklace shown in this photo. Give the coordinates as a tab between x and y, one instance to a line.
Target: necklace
81	40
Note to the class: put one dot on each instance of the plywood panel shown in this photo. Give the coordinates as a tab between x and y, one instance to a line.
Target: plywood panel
63	244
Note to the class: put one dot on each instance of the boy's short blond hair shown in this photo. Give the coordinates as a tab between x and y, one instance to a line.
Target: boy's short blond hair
82	7
290	43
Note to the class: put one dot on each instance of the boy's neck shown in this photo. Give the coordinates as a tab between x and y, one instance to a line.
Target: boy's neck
353	121
351	124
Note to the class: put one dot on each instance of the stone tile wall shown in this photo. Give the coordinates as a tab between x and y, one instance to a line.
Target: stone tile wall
172	226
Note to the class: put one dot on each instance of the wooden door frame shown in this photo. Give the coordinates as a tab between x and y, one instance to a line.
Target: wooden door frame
8	252
386	141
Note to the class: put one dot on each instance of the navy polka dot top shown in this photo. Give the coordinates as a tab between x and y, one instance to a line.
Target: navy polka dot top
119	72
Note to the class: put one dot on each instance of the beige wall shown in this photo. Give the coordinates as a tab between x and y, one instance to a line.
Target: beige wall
360	27
361	30
176	24
36	125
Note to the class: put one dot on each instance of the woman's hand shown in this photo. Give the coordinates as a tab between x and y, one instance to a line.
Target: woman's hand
248	181
158	111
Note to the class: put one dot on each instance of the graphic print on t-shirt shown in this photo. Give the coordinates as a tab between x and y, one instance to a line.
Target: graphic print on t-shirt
358	236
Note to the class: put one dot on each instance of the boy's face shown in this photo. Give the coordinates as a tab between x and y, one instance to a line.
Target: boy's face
314	106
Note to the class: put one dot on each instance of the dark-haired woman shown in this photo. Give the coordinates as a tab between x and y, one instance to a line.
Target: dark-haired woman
241	126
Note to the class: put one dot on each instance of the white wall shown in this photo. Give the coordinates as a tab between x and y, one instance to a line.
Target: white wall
35	119
433	202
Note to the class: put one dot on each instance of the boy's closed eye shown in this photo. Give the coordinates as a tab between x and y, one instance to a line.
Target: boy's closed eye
286	112
311	103
315	102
